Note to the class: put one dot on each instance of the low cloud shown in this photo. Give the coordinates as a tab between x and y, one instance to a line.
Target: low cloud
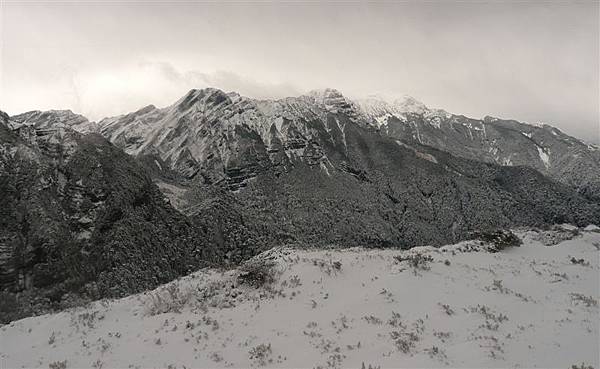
224	80
100	93
160	83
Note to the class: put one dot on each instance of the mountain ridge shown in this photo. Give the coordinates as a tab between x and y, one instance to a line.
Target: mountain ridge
510	142
505	142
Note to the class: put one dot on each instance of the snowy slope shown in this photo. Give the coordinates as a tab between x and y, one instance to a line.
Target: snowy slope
531	306
55	119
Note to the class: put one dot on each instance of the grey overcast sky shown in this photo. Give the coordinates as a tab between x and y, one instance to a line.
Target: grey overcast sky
534	61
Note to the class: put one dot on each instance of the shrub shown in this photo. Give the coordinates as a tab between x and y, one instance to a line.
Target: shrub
371	319
582	366
447	309
168	299
58	365
261	354
436	352
329	267
588	301
416	261
442	336
404	341
216	357
257	273
579	261
500	239
370	366
52	339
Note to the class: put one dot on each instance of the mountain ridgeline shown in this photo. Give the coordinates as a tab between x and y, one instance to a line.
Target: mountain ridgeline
492	140
121	205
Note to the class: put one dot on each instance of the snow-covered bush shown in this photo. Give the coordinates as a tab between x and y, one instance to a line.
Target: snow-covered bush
58	365
581	366
261	354
556	234
168	299
499	240
257	273
588	301
417	261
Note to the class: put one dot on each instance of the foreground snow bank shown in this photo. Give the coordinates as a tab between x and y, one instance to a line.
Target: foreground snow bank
457	306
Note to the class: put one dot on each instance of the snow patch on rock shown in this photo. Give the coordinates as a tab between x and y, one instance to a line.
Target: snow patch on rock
544	157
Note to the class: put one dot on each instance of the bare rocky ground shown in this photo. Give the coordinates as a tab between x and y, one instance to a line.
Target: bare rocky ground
457	306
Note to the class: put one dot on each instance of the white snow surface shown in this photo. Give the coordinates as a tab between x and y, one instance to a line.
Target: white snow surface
527	134
528	306
544	157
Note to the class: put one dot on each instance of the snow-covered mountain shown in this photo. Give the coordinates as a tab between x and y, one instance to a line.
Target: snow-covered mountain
378	109
493	140
209	128
198	132
225	136
54	119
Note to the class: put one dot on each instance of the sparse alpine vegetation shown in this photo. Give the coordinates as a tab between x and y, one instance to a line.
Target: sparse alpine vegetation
292	307
498	240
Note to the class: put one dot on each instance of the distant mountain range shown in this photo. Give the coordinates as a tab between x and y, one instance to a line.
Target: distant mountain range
493	140
240	175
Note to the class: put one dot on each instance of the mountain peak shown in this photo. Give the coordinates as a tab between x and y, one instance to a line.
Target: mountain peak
325	93
206	96
380	107
55	118
3	116
332	100
410	105
146	109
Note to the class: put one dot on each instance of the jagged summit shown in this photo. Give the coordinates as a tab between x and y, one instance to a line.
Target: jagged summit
206	96
325	93
410	105
53	114
54	119
4	118
379	109
146	109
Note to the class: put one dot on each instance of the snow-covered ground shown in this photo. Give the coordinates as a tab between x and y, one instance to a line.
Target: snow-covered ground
528	306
